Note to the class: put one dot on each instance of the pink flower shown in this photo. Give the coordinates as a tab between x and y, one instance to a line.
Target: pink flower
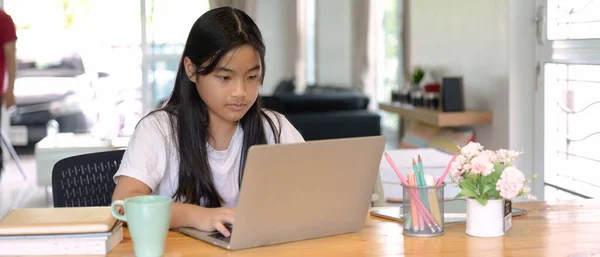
471	149
482	164
456	167
510	183
455	171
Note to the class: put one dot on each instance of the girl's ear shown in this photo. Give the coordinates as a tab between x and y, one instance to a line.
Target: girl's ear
190	69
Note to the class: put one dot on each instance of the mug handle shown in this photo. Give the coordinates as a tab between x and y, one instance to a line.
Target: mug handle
114	212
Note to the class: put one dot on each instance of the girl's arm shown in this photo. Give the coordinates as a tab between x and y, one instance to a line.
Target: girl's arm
182	215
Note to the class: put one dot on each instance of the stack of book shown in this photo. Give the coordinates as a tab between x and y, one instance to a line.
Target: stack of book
59	231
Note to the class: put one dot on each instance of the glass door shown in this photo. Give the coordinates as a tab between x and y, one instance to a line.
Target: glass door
165	30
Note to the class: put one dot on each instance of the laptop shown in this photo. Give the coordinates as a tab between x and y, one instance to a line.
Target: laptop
300	191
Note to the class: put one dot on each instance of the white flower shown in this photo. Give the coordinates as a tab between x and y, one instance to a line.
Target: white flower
506	156
455	172
471	149
460	160
466	167
492	155
526	192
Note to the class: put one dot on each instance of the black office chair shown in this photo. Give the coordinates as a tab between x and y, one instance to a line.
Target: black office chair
85	180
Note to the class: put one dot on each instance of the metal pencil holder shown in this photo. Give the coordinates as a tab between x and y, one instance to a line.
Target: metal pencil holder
423	210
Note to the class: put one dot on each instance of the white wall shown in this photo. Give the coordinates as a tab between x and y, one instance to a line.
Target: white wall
467	38
492	45
334	42
522	79
277	22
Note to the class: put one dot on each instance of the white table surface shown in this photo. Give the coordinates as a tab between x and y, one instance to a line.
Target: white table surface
51	149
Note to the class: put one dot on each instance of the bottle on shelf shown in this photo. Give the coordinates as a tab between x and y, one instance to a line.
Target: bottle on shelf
432	93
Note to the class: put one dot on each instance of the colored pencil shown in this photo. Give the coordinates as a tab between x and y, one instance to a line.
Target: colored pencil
433	200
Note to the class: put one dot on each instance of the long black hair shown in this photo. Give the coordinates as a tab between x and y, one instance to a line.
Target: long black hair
213	35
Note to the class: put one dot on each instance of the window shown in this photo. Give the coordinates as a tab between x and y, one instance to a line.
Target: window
575	92
573	19
389	75
570	64
165	39
311	77
139	56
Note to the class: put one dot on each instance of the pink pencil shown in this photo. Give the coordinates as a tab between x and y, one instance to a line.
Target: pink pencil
428	219
391	162
412	193
441	180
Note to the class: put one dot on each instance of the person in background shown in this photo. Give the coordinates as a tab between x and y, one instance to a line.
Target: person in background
8	63
194	147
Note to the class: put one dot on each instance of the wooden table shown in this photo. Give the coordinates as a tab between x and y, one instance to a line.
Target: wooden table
569	228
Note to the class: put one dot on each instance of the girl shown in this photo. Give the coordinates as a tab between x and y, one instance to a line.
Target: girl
194	148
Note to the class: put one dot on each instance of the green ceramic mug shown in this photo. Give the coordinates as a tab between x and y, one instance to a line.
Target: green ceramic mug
148	218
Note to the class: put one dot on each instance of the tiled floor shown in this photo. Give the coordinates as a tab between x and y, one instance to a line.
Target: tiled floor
15	192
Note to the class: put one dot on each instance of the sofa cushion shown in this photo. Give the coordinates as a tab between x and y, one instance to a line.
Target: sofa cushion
338	124
294	103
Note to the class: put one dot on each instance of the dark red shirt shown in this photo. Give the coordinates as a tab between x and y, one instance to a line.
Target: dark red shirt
8	33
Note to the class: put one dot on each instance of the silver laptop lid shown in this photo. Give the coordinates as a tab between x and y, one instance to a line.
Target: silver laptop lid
300	191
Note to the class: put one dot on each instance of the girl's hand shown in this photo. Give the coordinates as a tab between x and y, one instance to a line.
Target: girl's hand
211	219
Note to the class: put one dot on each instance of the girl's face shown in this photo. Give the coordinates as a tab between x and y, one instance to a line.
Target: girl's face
232	88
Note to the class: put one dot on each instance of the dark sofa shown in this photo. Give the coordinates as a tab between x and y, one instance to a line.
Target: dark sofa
326	112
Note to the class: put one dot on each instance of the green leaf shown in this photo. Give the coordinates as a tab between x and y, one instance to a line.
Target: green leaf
487	186
473	177
499	167
469	186
482	200
471	182
493	177
466	191
494	193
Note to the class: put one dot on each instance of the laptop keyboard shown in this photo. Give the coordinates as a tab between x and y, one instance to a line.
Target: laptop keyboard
220	236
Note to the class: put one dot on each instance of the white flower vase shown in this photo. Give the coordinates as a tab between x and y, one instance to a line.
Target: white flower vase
485	221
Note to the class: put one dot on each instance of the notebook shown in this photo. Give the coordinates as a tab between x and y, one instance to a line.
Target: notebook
62	244
68	220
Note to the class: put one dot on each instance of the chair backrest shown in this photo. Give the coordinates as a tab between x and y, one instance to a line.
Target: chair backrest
85	180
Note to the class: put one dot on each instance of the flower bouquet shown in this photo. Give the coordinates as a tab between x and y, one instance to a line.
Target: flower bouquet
487	178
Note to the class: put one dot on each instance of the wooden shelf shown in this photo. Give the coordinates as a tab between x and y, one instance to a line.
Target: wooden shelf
438	118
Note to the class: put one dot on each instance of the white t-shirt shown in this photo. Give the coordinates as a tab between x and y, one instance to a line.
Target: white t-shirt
153	159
